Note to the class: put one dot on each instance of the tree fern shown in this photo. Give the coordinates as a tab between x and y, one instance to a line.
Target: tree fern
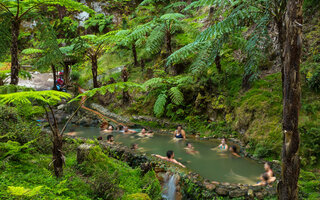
154	82
156	40
176	95
114	87
6	89
50	97
184	53
159	105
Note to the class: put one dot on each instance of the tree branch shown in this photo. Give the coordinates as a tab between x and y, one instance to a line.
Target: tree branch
5	7
28	10
73	114
47	115
54	118
18	8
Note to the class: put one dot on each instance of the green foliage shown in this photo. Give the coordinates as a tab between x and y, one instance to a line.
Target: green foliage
314	80
114	87
309	134
49	97
308	185
99	20
162	89
159	105
124	180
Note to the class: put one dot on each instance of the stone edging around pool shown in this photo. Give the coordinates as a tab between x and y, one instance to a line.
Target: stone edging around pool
189	185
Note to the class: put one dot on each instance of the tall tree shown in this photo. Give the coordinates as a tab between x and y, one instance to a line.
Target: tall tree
292	46
46	99
19	11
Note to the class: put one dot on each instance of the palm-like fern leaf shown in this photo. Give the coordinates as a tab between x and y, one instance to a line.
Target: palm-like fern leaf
176	95
156	39
50	97
151	83
184	53
159	105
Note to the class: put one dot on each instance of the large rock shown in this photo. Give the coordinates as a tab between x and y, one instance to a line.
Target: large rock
237	193
222	191
82	152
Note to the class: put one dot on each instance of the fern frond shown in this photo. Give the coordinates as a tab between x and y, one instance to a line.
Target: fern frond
7	89
184	80
146	2
159	105
176	95
152	83
50	97
115	87
32	51
156	40
179	4
141	31
172	16
184	53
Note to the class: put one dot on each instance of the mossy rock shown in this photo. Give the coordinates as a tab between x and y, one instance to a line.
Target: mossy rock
138	196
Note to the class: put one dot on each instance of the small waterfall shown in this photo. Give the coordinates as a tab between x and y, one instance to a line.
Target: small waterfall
169	187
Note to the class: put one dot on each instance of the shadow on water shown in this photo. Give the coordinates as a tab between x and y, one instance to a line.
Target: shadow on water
213	165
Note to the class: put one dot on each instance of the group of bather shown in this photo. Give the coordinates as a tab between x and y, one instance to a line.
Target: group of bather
179	134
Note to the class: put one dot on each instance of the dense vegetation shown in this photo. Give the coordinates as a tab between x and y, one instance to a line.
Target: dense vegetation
212	65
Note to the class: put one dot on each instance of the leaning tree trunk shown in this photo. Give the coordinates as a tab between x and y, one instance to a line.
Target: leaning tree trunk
53	68
288	188
15	67
94	68
134	52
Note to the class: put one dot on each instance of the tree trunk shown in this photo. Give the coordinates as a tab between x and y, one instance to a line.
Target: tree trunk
218	63
288	188
15	67
66	73
58	160
125	93
168	40
53	68
142	64
94	63
134	52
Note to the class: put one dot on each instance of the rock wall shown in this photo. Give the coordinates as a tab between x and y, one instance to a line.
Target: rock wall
190	185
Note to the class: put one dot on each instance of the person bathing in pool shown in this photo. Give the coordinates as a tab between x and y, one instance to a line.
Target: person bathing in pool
143	132
126	130
223	146
233	151
170	158
190	149
179	133
110	139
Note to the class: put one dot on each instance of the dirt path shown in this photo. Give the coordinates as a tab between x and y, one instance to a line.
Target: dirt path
39	81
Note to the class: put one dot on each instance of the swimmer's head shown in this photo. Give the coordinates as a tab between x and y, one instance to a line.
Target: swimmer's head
189	145
265	177
143	130
110	128
233	148
223	140
170	154
134	146
104	125
125	128
267	166
179	127
110	138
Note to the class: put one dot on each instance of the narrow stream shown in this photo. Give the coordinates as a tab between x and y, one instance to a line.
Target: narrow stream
213	165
